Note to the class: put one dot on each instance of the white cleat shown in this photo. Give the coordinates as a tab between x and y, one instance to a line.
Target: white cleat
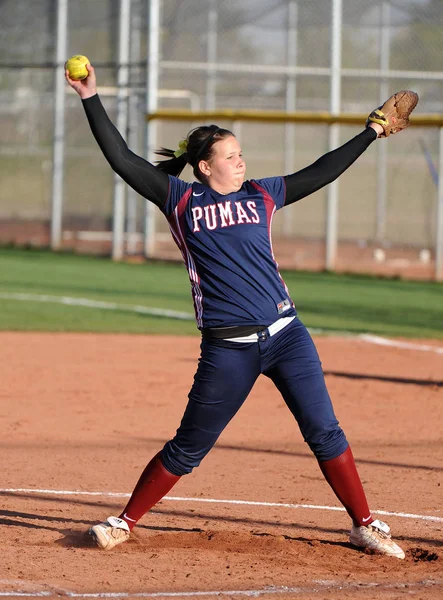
375	538
112	532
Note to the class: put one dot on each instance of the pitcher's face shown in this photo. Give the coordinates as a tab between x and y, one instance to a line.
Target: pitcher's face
226	168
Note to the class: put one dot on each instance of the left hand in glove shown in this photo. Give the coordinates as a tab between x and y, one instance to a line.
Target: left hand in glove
393	115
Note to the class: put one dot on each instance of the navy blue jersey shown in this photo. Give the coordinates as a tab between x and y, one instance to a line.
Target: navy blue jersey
226	245
225	239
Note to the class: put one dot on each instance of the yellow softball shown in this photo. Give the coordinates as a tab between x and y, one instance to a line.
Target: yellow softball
76	65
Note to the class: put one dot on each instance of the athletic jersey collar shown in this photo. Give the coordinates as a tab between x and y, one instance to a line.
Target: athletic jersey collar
198	189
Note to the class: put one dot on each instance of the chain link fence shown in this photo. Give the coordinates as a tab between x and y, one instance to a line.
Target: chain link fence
271	56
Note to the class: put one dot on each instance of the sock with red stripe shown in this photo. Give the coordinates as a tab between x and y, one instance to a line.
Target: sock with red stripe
341	474
154	483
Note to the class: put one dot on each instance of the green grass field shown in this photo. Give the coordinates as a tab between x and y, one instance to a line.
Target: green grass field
44	291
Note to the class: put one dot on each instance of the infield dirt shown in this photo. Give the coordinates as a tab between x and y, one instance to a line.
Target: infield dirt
85	413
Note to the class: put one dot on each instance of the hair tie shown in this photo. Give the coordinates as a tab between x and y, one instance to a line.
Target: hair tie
182	148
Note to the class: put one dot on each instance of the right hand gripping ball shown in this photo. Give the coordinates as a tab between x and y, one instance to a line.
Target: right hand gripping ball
76	65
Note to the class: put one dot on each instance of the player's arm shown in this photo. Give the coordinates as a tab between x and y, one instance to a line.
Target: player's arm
141	175
328	167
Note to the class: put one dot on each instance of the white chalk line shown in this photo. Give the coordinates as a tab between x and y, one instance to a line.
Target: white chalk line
375	339
67	300
184	316
317	586
217	501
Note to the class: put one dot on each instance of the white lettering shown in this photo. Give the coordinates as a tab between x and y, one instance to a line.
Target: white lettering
197	214
211	219
225	211
241	214
222	214
253	208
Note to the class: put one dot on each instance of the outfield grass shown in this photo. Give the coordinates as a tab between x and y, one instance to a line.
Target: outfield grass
326	301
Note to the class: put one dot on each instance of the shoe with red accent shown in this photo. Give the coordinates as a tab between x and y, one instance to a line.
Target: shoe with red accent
109	534
375	538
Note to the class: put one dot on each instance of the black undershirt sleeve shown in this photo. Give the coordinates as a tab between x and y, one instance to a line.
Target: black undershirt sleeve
153	184
327	168
141	175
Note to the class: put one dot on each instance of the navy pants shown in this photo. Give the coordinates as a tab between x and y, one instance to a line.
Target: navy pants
225	375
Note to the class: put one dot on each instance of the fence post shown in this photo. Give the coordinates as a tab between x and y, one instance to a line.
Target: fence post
439	235
334	134
58	158
152	78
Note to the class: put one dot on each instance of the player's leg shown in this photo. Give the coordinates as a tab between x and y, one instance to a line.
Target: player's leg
225	375
296	371
154	483
295	368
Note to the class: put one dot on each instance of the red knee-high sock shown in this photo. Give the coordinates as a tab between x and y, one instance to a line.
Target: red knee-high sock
154	483
341	474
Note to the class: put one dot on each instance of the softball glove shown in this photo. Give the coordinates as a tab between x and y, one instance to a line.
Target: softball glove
393	115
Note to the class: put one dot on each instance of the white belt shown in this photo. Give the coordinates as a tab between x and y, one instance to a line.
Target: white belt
268	332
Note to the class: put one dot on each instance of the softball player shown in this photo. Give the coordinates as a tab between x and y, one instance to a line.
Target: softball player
249	325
